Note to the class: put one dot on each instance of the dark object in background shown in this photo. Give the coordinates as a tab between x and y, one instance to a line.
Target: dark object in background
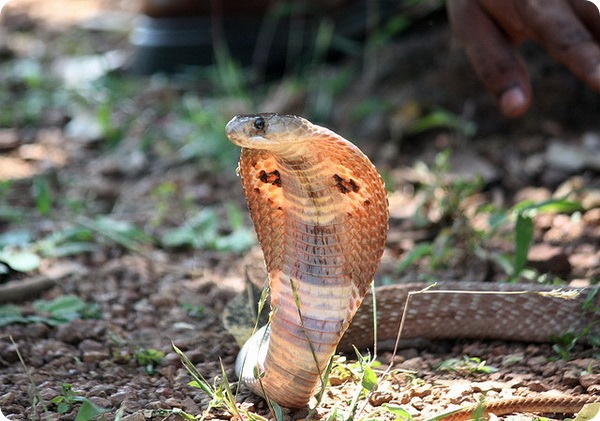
266	34
172	34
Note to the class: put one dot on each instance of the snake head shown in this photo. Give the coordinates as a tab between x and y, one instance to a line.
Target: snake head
268	131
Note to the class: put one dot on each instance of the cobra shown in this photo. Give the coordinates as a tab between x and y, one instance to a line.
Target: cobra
320	211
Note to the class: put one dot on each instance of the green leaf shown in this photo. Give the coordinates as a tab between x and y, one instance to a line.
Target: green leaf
178	237
278	412
10	314
589	412
334	415
10	310
400	413
369	379
42	195
199	380
423	249
202	232
70	249
88	411
63	408
149	356
199	231
62	305
64	309
67	242
523	238
20	260
122	232
9	320
550	205
442	119
238	241
235	215
16	238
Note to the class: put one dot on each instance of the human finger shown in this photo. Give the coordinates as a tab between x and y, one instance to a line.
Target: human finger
560	30
492	56
589	14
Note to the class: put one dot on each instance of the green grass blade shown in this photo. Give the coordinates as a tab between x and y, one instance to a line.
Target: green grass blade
523	238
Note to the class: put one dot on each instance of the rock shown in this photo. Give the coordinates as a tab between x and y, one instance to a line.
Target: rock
589	380
536	194
137	416
593	389
77	330
574	157
195	356
466	164
90	345
155	405
549	370
512	359
584	263
117	398
48	393
579	283
564	156
417	403
173	403
534	164
585	363
416	364
7	399
422	391
85	128
378	398
190	406
9	139
537	387
571	378
101	402
592	216
549	259
537	362
171	359
10	353
487	386
101	390
590	199
94	356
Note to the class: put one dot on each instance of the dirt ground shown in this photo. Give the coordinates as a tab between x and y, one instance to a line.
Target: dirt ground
146	295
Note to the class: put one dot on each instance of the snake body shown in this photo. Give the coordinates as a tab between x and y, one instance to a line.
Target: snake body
321	215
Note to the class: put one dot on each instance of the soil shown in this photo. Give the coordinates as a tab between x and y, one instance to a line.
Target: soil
150	296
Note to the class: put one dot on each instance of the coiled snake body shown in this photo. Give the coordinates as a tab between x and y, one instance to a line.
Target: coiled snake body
320	212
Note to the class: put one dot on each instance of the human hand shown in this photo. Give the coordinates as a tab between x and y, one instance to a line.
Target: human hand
488	29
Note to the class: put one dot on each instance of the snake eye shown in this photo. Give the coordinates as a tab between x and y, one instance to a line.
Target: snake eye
259	124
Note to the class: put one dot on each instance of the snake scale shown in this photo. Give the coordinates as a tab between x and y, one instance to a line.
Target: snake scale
320	211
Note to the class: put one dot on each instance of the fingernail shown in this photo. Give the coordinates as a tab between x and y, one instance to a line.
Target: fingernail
512	102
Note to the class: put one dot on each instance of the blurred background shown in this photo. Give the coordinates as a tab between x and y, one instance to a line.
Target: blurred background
118	185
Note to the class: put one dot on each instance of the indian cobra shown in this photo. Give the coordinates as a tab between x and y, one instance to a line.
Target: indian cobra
320	212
